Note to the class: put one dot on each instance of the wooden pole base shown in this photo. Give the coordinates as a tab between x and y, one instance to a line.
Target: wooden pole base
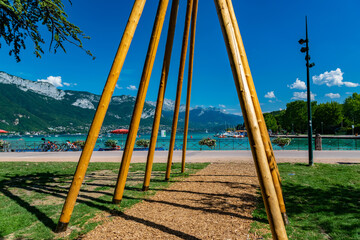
116	201
61	227
285	218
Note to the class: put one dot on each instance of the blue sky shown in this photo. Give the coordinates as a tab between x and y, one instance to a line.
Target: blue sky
270	31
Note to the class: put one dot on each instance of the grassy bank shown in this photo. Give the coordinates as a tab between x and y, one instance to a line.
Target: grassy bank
322	202
32	195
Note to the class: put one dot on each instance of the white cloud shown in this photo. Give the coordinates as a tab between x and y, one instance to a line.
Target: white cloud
302	95
131	87
332	95
333	78
56	81
298	84
222	106
118	87
270	95
67	84
351	84
349	93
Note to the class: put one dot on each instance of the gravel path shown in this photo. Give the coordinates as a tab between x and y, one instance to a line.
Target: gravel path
215	203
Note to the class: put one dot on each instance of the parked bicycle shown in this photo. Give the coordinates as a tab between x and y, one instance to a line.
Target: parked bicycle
69	146
48	145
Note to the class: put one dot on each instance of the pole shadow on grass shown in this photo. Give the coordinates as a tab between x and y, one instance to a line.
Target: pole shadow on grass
28	182
334	202
50	184
39	183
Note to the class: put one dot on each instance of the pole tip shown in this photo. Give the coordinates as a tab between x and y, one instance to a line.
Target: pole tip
61	227
145	188
116	201
285	218
167	179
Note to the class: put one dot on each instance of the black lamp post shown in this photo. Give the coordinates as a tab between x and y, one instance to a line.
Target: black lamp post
308	66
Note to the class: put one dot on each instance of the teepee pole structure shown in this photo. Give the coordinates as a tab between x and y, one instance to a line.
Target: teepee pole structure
100	115
190	75
263	129
179	86
161	93
247	74
248	109
140	100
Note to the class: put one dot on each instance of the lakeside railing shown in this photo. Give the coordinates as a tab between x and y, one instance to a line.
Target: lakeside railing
221	144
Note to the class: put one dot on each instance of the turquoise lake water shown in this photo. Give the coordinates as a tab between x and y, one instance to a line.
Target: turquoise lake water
29	143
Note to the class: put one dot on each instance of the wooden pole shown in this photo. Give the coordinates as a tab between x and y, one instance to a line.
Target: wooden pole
190	73
257	145
266	203
140	100
179	86
161	94
263	129
100	115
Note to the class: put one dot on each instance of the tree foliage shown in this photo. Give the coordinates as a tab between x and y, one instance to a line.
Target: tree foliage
20	19
296	116
111	143
208	142
271	122
352	109
327	117
240	126
282	142
143	143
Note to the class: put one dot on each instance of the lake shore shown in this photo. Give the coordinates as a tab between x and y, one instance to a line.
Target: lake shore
333	157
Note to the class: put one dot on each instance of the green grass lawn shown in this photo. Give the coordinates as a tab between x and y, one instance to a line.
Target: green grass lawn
322	202
32	195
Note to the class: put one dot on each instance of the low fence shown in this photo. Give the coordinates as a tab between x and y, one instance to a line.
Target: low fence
221	144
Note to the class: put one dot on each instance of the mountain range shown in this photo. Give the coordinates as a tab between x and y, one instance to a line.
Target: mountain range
36	106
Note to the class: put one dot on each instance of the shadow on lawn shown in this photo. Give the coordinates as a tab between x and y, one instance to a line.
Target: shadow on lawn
29	182
50	184
325	206
331	211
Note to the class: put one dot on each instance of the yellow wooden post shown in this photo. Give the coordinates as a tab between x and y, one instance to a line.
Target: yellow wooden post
190	73
179	86
248	109
263	129
100	115
161	94
247	74
140	100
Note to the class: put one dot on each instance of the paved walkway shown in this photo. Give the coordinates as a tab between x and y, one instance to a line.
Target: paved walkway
192	156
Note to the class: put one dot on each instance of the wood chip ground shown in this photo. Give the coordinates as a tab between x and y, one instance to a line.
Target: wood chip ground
215	203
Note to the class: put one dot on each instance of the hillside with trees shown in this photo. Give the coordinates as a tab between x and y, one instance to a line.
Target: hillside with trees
328	118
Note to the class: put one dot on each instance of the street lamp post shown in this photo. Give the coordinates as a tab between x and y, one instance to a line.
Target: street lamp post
308	66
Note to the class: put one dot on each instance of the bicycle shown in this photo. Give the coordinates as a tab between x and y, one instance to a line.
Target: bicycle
68	146
48	146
